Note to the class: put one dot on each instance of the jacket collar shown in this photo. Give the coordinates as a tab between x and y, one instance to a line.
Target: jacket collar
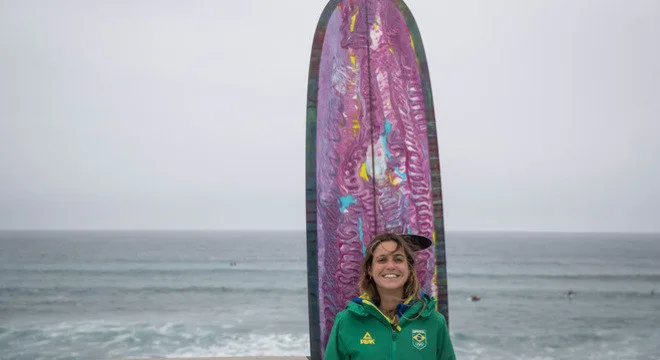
364	306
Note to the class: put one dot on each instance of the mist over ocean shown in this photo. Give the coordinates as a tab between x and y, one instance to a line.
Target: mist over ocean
113	295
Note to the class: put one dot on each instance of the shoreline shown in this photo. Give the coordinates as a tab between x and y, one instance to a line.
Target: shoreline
233	358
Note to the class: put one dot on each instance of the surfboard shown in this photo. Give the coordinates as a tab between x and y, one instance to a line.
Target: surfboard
372	161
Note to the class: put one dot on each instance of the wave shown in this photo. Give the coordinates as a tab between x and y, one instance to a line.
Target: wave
112	340
545	345
590	277
136	271
147	290
549	294
107	340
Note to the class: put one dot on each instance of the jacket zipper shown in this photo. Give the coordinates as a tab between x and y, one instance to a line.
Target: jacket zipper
394	344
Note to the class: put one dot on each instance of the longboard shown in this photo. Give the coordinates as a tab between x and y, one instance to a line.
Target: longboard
372	161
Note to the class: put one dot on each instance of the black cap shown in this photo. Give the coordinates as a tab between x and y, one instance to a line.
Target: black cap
417	242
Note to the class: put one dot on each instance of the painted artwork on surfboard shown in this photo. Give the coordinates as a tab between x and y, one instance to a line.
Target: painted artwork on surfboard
372	154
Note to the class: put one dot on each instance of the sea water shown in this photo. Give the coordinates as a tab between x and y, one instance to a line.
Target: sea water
113	295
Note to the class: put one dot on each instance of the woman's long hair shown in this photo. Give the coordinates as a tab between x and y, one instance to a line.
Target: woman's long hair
368	285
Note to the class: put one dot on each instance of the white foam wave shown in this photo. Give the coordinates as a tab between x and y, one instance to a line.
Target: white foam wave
108	340
251	345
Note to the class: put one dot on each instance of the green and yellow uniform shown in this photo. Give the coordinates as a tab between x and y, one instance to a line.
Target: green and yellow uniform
363	332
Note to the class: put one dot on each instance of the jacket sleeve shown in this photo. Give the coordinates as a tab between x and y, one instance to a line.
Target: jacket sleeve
334	349
445	349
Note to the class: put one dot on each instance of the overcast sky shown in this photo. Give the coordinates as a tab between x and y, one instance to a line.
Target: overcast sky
136	114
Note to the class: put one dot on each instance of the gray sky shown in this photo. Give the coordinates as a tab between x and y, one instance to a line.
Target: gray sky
191	114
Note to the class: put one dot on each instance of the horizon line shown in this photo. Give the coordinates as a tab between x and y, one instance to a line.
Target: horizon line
303	230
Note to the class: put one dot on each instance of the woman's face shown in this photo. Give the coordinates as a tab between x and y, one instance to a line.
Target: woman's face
389	268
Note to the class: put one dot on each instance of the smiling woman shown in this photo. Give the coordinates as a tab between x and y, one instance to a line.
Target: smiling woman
392	318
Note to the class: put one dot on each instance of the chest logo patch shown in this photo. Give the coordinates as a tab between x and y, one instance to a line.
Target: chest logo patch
419	339
367	339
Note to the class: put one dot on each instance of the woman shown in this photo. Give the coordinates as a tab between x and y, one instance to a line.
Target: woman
391	319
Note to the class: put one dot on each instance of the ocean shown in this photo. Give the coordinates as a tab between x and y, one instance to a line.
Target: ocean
142	294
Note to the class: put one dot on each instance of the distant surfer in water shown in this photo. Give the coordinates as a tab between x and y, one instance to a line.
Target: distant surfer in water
390	295
474	298
569	294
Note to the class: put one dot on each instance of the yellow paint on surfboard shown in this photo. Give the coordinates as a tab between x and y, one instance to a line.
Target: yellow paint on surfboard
356	127
356	121
354	17
393	181
363	172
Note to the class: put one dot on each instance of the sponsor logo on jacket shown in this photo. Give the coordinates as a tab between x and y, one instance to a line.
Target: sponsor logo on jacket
367	339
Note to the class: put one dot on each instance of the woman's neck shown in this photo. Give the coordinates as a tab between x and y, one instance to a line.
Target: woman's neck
389	300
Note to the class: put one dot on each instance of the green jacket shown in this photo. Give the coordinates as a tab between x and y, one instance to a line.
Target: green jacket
361	331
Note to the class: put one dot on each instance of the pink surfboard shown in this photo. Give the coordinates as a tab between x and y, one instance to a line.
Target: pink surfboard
372	154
